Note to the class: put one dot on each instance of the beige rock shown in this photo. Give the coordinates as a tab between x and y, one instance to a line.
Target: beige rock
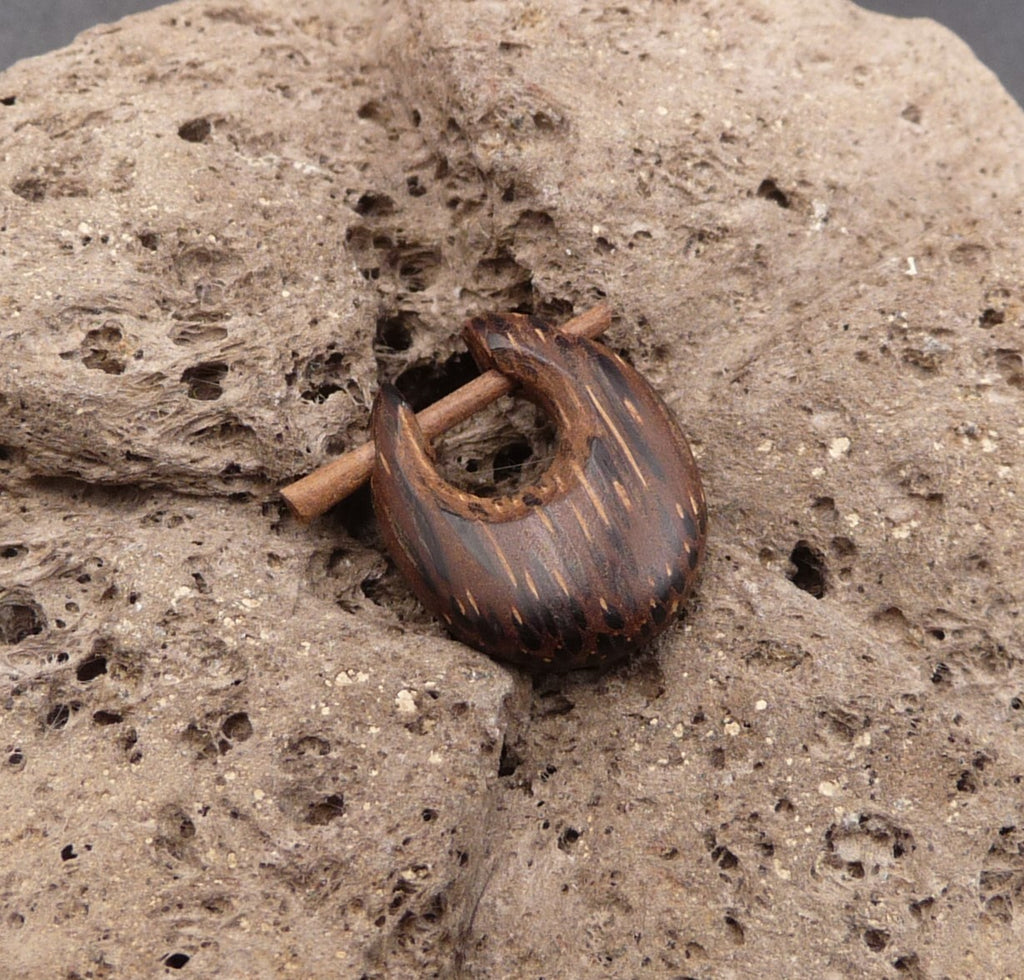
237	740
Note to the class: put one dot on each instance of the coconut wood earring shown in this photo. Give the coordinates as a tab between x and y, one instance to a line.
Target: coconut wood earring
590	562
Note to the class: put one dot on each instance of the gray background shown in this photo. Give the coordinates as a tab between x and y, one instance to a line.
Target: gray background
993	28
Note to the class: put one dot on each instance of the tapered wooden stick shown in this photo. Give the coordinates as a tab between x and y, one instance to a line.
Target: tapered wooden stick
315	494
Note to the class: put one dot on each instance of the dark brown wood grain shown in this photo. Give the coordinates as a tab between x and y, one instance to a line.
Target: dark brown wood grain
591	561
320	490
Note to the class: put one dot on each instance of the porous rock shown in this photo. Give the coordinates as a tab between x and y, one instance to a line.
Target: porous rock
234	746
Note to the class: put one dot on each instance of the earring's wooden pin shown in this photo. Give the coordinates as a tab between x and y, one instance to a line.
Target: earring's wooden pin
316	493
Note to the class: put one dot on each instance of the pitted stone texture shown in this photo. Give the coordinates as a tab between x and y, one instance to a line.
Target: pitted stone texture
174	320
221	226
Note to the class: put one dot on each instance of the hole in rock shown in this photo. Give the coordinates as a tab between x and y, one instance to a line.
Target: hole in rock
967	783
374	205
423	384
736	932
375	587
809	569
195	130
20	617
90	669
196	333
328	809
30	189
876	939
321	392
907	964
510	760
917	909
325	374
724	858
568	837
103	717
534	222
311	745
237	727
395	332
355	515
417	266
991	318
371	109
218	904
771	191
204	380
509	460
176	960
844	547
58	716
67	852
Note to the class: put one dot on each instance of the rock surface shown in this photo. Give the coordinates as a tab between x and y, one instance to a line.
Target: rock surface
235	747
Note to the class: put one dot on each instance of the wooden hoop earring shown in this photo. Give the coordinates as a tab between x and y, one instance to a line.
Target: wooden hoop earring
591	561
